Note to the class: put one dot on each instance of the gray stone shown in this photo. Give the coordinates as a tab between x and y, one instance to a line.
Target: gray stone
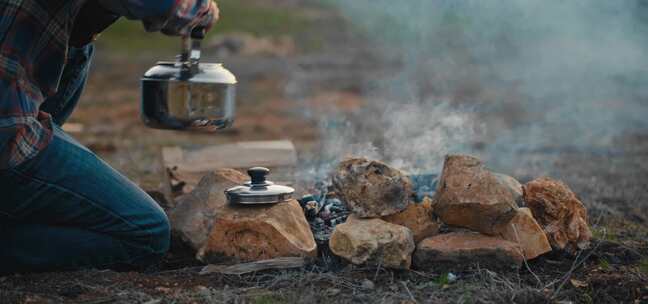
372	188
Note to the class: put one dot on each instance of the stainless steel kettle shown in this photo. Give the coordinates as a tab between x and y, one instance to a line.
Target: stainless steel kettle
187	94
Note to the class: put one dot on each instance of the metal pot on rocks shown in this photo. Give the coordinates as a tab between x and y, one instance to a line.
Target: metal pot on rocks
187	94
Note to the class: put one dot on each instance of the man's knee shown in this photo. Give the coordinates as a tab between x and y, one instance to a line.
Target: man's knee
160	234
153	238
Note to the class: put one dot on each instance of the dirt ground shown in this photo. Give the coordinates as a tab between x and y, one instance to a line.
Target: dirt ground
612	184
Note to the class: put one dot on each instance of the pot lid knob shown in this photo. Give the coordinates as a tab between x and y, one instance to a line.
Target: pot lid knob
258	176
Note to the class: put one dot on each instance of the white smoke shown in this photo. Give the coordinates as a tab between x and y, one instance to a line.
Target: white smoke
495	78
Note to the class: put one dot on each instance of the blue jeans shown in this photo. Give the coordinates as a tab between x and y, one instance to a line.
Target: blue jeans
67	209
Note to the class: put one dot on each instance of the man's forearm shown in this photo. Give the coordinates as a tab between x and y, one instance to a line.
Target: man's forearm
174	17
139	9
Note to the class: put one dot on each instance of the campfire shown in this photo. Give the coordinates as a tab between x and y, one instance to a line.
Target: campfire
372	214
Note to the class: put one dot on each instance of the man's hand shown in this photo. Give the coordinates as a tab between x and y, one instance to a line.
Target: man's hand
171	17
188	15
212	15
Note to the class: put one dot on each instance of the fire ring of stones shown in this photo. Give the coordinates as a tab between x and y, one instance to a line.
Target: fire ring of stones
372	214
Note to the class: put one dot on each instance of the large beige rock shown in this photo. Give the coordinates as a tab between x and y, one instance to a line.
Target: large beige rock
371	188
373	242
193	215
562	216
418	218
219	231
462	250
513	186
470	196
527	233
253	233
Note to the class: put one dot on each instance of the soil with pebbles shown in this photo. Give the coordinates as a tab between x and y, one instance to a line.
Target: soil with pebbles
614	270
619	281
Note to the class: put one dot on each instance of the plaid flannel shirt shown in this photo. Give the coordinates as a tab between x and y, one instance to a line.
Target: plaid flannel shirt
34	36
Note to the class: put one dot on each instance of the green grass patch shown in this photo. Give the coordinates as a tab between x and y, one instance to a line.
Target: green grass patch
443	279
604	233
236	16
604	264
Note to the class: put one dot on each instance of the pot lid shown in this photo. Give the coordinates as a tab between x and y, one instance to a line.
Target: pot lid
259	190
212	73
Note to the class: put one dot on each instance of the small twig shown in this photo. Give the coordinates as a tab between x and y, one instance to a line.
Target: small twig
377	270
575	266
383	299
105	300
526	264
567	275
409	292
186	269
422	274
239	269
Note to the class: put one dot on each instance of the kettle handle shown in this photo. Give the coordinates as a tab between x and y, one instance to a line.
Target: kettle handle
189	58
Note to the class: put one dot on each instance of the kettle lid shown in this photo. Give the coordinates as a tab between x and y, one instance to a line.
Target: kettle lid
259	190
213	73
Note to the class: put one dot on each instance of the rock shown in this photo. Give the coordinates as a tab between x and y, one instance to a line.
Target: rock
527	233
462	250
332	292
192	217
371	188
513	186
562	216
374	242
219	231
368	284
470	196
254	233
418	218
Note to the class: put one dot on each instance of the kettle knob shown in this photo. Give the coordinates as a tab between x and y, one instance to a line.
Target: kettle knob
258	175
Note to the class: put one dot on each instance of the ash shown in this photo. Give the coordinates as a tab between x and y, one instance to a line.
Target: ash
424	185
324	210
